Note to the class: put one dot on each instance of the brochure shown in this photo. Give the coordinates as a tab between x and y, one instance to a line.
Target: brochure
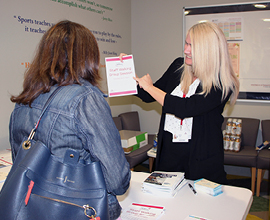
208	187
137	211
162	183
120	76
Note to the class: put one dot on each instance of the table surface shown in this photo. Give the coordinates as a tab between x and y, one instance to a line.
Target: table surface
233	204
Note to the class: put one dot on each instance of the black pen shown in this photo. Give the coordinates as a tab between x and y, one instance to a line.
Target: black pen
191	187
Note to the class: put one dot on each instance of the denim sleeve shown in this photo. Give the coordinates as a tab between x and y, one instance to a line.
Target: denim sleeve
94	123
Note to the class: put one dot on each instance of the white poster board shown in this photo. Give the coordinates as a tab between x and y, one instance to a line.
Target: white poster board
248	33
120	76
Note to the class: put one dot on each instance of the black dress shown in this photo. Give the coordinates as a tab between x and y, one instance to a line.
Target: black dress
203	155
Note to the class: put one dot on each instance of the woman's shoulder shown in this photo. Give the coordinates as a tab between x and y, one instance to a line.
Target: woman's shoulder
175	68
178	62
176	65
69	96
85	88
83	91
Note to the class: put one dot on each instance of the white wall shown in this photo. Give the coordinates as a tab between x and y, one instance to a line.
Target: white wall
156	30
18	43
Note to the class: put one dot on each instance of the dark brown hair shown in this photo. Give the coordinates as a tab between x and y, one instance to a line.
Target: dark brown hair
67	52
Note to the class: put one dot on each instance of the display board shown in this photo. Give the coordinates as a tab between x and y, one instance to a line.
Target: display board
247	28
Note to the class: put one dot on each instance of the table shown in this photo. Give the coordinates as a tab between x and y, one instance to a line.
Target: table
233	204
5	165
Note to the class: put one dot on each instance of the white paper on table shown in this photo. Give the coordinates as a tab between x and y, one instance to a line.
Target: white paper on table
4	173
137	211
5	158
120	76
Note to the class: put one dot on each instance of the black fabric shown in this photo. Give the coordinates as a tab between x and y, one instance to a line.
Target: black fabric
206	155
182	150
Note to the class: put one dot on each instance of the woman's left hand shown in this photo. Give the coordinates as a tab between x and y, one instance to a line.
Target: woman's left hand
144	82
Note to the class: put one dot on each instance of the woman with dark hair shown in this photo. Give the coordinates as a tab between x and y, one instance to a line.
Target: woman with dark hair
78	117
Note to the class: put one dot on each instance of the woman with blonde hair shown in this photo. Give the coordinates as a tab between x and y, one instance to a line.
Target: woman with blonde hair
193	92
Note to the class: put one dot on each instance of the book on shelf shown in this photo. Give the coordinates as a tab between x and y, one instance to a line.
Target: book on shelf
208	187
162	183
139	211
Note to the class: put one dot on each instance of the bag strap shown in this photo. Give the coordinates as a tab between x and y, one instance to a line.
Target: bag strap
27	143
47	105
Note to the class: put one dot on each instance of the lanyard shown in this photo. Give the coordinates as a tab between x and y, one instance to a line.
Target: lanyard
181	122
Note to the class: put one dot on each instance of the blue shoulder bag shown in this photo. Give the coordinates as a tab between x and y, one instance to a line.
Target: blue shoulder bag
40	186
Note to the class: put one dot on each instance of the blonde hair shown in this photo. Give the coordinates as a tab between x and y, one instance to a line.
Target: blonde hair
211	61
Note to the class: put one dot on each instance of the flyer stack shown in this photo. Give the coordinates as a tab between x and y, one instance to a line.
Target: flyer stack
138	211
166	184
209	187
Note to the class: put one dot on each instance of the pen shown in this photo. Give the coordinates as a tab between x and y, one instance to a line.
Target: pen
191	216
191	187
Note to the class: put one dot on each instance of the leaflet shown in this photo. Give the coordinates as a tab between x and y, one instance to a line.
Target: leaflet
137	211
120	76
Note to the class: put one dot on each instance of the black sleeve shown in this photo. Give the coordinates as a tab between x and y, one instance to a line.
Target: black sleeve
164	81
194	105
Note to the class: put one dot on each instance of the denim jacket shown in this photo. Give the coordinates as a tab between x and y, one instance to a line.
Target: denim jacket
79	118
